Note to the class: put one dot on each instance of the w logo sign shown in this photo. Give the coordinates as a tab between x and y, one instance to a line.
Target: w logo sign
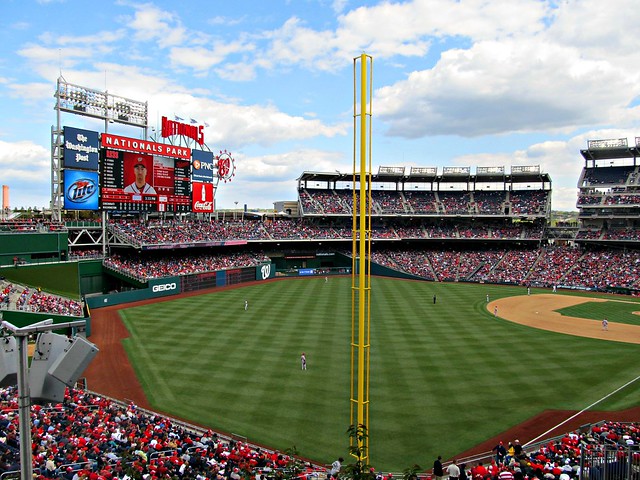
265	271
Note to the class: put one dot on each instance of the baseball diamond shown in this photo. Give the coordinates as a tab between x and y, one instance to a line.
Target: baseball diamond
109	331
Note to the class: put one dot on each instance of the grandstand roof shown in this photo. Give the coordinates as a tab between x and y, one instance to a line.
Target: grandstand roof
610	153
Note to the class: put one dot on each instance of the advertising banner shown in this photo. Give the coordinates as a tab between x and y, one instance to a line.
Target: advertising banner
81	149
117	142
80	190
202	166
265	271
161	287
202	197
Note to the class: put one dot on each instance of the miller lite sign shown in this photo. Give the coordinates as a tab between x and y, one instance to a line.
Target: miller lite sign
80	190
202	200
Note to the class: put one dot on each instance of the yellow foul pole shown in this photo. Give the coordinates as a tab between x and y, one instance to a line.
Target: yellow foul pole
361	245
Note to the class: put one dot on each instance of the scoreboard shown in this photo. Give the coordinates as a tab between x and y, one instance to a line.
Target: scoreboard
136	182
116	173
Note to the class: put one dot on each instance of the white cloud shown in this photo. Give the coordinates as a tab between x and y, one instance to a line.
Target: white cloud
203	58
26	169
238	72
339	5
237	125
150	23
511	86
96	38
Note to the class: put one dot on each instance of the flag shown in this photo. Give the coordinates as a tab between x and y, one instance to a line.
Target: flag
193	120
178	119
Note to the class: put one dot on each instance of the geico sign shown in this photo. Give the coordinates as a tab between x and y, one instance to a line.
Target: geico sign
265	270
163	288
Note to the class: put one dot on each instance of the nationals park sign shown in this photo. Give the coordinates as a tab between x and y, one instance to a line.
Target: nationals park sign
143	146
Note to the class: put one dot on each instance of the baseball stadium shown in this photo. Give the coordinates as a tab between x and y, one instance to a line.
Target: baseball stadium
168	339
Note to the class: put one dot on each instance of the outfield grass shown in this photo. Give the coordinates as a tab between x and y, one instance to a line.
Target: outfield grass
444	377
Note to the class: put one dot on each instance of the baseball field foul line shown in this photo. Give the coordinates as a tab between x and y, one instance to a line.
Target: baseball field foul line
582	411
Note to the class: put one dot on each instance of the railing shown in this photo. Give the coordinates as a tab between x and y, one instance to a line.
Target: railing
610	463
597	461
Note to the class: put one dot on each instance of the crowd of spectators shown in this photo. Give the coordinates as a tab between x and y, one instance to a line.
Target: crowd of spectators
609	234
529	202
25	225
525	202
542	266
138	233
455	203
5	294
205	232
415	263
385	202
553	265
34	300
616	199
602	451
545	266
45	303
421	202
186	231
489	203
589	199
91	437
329	202
84	253
185	264
307	204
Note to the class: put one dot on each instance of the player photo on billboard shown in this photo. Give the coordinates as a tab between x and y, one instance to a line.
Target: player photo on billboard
137	174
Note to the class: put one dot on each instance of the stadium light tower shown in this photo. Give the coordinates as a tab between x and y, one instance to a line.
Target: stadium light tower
78	100
63	364
361	245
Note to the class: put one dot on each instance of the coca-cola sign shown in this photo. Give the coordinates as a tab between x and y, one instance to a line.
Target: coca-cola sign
202	200
203	206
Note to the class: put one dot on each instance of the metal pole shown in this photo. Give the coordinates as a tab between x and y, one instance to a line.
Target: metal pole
24	397
362	274
24	410
360	310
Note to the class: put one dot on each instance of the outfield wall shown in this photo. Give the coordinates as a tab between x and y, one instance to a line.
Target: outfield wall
60	278
33	247
168	286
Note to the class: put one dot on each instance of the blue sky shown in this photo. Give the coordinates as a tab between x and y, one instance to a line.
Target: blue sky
456	82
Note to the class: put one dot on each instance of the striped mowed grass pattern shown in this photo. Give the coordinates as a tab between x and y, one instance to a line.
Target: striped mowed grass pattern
444	376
